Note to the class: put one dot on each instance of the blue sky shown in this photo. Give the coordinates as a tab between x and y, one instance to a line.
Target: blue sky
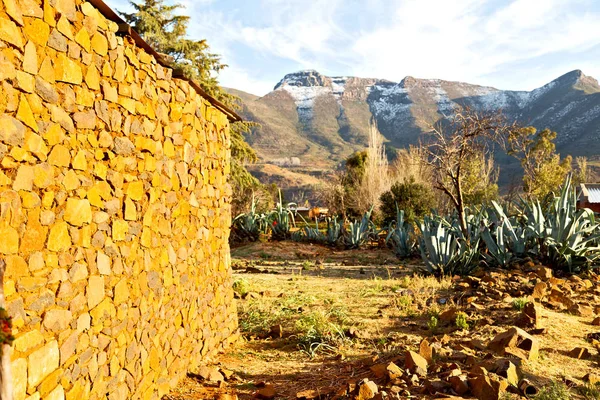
519	44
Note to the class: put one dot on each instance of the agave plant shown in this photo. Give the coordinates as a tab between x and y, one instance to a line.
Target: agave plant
571	234
308	234
505	239
250	225
359	232
281	220
334	231
443	251
400	235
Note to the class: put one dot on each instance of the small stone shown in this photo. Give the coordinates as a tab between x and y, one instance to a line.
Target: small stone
12	9
92	78
596	321
508	370
59	156
394	371
136	191
539	291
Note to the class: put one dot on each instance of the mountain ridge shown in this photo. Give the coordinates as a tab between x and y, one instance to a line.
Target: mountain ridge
319	120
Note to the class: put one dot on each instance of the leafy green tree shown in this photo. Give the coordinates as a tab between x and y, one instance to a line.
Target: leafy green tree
166	31
414	198
543	169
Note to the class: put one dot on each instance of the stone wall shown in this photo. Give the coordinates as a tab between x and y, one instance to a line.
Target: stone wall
114	210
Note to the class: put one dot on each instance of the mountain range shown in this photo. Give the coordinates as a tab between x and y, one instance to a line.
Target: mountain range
309	122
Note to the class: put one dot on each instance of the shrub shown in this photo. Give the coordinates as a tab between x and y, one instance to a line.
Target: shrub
519	303
414	198
461	321
241	286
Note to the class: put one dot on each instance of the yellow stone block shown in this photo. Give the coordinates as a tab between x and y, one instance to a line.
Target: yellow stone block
54	134
83	39
71	181
47	70
49	13
59	156
30	59
4	180
78	211
119	229
135	190
57	394
64	27
9	32
16	266
28	341
42	363
79	162
59	238
10	240
130	210
48	199
30	200
19	378
67	70
25	114
121	292
37	30
128	104
100	170
50	383
25	81
100	44
92	77
35	144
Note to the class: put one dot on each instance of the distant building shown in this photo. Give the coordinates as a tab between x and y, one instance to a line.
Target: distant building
589	197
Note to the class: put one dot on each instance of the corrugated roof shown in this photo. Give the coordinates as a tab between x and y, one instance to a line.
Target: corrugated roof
126	29
593	193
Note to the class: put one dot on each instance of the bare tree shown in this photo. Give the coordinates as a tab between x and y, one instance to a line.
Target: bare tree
376	179
455	142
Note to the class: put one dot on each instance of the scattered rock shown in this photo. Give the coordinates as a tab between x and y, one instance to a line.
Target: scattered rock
426	351
366	390
415	363
516	342
529	317
267	392
581	353
596	321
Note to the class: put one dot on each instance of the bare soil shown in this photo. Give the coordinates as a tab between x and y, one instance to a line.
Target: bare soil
341	312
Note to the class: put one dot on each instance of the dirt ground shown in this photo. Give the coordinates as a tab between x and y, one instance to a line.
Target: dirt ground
313	318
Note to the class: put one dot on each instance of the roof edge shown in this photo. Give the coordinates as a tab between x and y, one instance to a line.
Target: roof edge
126	28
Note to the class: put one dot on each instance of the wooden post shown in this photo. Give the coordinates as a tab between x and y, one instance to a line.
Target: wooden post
6	384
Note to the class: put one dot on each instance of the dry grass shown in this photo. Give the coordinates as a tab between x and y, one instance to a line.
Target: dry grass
340	317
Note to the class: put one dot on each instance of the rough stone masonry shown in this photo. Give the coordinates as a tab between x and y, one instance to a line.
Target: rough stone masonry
114	209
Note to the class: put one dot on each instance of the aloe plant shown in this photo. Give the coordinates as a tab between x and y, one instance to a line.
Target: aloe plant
400	235
359	232
443	251
334	231
250	225
281	220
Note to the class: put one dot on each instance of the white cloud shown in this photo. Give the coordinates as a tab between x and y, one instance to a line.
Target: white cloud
477	41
